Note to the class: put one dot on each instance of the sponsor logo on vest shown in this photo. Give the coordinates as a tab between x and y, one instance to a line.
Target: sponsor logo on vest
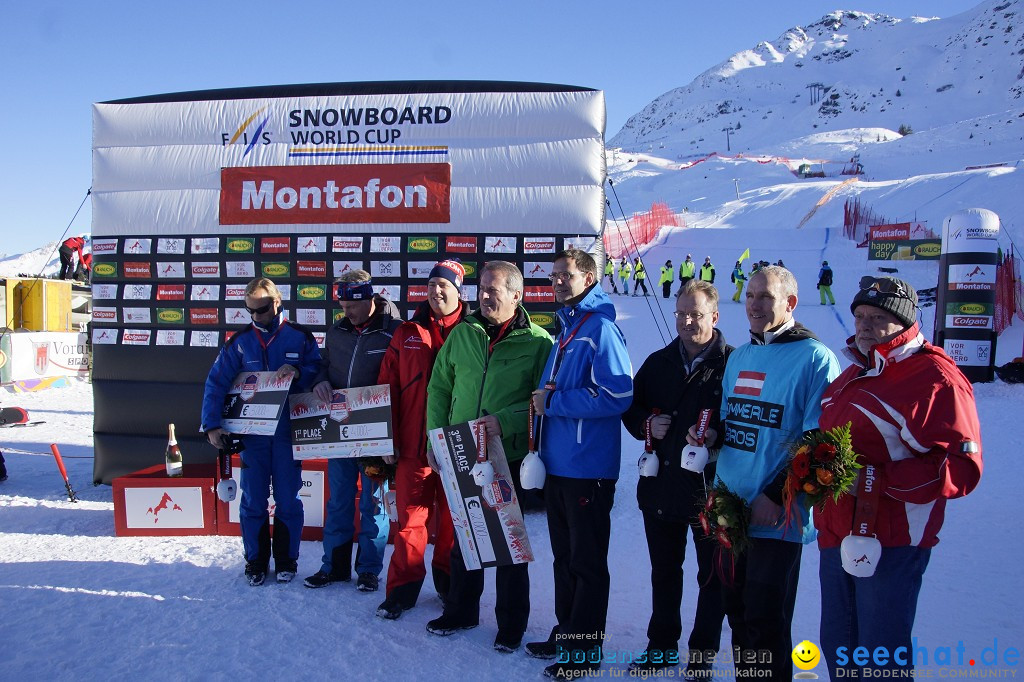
275	269
423	244
170	314
104	270
245	245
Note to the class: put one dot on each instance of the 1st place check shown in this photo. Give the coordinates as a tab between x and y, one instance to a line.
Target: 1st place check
356	423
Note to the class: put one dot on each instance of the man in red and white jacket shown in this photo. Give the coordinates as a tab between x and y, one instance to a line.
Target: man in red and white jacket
915	429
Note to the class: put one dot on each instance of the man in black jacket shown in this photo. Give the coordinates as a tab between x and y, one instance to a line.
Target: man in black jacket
669	391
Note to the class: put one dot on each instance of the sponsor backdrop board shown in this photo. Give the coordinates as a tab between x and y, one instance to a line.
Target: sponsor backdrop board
196	193
487	517
966	292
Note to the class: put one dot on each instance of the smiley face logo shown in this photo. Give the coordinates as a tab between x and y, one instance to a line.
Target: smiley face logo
806	655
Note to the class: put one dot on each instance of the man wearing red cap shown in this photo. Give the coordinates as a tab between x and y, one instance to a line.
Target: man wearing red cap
406	368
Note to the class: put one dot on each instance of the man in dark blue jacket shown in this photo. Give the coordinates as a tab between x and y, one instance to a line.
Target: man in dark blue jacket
269	344
587	386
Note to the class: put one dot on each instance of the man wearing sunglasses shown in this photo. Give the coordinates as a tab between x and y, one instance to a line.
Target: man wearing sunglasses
771	395
270	344
353	352
915	429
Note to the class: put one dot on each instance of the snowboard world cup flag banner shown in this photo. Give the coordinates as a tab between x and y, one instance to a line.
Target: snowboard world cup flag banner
196	193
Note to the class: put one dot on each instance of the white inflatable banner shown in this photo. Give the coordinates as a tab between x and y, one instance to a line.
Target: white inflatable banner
502	162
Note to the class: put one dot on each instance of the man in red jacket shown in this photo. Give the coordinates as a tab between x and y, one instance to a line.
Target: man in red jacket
406	368
915	430
68	248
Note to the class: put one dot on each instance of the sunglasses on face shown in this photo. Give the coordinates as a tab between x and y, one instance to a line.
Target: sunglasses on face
884	286
262	309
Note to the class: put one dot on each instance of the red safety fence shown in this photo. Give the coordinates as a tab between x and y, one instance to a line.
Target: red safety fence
1009	292
857	218
638	231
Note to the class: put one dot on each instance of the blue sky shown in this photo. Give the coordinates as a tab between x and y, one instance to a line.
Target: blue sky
60	57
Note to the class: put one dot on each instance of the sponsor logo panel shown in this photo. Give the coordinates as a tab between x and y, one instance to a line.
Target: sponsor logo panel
170	337
392	292
276	245
581	243
205	245
500	244
204	316
313	244
460	244
204	339
340	267
106	270
421	244
537	295
170	315
138	270
135	245
240	245
235	292
311	292
103	246
312	317
273	269
104	336
136	337
237	316
538	244
240	268
385	268
311	268
170	245
419	269
468	293
170	292
104	291
170	270
206	269
417	293
385	244
537	269
333	194
104	314
205	292
137	316
138	292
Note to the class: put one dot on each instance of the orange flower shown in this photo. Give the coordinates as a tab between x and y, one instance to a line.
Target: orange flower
810	488
824	476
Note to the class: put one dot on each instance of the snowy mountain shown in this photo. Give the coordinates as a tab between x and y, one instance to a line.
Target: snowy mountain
847	70
43	262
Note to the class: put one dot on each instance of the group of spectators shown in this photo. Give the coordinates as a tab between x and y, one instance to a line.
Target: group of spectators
914	426
75	258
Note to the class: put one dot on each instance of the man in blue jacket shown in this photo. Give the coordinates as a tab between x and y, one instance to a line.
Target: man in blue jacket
771	395
269	344
587	386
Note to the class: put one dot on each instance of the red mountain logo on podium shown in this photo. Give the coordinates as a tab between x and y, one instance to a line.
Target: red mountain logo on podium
165	503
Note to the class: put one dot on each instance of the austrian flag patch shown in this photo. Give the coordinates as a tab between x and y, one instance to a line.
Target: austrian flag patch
749	383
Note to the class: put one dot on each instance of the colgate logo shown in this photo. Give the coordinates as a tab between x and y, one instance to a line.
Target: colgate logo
129	337
98	314
205	269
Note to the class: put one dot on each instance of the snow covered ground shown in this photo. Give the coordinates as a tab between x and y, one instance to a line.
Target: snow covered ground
78	601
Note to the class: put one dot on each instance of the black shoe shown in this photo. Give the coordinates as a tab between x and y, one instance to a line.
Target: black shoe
570	671
546	649
255	573
506	643
286	569
652	664
367	582
448	625
322	579
391	609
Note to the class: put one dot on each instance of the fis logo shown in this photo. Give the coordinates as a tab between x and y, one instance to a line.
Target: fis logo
249	134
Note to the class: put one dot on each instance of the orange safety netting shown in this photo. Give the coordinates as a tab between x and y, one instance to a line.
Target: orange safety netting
1009	292
640	230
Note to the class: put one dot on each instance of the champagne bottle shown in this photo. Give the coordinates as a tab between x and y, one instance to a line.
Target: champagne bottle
172	458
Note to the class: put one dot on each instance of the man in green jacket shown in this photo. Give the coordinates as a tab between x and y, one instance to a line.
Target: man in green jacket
499	355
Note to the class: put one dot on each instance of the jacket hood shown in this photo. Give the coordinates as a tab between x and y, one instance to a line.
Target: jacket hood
596	301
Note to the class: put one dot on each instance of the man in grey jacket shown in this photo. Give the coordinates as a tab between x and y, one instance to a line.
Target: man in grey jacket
353	352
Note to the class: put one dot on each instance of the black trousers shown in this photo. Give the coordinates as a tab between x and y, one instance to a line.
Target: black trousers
579	524
66	262
759	604
666	288
512	595
666	543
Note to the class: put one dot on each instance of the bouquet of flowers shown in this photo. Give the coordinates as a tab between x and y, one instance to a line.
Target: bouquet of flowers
377	469
822	464
726	517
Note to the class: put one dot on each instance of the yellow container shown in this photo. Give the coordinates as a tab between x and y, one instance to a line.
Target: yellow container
44	305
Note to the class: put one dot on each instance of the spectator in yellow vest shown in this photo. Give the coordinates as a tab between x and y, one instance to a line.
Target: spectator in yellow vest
625	270
707	271
640	275
667	272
